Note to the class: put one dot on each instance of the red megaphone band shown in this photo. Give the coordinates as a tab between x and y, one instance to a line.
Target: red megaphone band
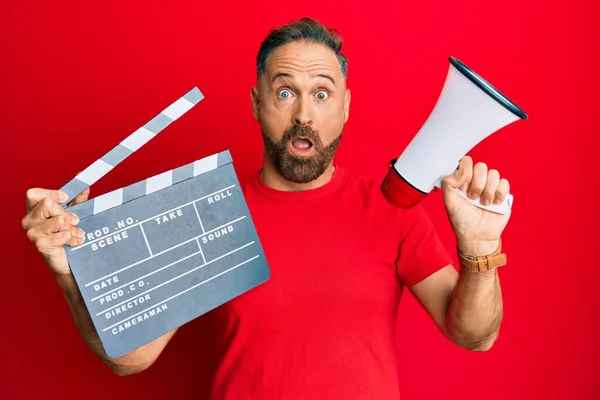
398	191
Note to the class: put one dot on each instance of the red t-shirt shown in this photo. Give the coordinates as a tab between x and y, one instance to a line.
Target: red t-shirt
323	325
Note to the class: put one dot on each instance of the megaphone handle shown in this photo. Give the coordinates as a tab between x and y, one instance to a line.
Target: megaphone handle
502	208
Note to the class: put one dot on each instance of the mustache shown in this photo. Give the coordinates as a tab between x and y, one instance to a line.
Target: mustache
303	131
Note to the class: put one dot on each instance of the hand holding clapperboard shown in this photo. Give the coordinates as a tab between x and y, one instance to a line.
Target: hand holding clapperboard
163	251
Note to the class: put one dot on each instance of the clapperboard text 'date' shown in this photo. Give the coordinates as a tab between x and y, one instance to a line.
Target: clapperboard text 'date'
166	257
165	250
102	238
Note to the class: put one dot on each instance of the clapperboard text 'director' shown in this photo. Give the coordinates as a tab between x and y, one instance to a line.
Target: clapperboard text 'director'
163	251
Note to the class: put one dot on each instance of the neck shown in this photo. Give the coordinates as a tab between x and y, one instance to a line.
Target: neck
271	177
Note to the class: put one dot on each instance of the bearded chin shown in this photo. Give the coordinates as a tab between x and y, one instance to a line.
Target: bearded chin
301	169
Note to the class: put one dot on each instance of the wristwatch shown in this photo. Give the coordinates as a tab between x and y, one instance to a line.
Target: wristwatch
483	263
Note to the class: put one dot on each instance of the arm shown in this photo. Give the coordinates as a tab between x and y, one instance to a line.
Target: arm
467	306
132	363
50	228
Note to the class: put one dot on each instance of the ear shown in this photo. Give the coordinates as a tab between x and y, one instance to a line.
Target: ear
347	105
255	103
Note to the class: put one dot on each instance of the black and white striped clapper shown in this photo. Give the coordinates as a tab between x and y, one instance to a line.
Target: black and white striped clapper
163	251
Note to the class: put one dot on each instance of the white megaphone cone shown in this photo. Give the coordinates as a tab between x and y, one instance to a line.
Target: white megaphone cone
468	110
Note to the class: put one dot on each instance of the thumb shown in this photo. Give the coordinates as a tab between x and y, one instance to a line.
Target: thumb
456	180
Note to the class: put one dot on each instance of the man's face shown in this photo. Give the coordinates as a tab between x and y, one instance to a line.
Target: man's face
302	105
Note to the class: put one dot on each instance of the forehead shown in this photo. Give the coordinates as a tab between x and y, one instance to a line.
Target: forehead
303	57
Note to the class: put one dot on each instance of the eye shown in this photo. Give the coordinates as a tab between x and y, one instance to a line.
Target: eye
322	95
285	94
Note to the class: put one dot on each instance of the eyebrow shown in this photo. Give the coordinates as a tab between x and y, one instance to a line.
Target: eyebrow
287	75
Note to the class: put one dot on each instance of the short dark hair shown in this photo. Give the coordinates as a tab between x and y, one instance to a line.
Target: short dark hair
306	29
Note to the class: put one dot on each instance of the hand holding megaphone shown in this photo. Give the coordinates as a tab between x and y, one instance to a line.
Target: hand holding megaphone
468	110
478	185
506	199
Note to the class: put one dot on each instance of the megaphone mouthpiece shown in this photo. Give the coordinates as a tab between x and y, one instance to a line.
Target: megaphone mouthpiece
468	110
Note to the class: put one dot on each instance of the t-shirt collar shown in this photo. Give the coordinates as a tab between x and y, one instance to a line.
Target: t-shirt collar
298	196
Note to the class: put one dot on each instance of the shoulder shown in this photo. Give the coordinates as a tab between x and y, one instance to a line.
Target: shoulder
246	180
250	183
367	190
357	183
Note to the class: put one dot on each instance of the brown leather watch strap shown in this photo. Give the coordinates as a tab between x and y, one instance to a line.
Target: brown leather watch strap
483	263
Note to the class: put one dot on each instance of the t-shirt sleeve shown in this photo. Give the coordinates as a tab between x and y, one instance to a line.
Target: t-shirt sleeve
421	252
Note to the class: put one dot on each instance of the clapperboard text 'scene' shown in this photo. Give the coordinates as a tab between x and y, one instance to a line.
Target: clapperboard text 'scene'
163	251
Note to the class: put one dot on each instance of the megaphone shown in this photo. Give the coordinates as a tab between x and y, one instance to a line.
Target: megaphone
468	110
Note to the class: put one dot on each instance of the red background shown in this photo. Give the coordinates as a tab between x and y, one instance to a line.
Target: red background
77	78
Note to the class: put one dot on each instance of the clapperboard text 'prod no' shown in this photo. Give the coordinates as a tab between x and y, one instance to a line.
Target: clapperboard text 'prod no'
163	251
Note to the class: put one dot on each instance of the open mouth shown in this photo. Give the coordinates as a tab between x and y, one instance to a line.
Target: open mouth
302	144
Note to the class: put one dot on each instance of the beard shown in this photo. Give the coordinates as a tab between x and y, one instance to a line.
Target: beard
300	169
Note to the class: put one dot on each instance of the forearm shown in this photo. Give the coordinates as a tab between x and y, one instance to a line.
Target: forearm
475	311
131	363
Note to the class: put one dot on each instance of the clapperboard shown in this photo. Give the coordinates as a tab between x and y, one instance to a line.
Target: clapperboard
163	251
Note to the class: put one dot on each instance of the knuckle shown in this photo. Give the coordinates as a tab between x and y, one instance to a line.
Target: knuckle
24	222
499	197
63	221
74	231
75	237
488	193
46	202
487	196
31	234
474	192
41	244
63	238
30	193
477	186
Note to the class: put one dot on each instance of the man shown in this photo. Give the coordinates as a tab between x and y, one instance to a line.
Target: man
323	325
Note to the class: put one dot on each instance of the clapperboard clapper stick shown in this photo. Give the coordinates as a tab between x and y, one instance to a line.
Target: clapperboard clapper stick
163	251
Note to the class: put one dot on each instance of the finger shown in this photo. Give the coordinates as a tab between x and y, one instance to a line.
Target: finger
477	184
49	243
502	191
489	192
46	209
35	195
80	198
57	224
466	164
461	176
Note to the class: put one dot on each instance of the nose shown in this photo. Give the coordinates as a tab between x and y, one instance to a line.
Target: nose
302	115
